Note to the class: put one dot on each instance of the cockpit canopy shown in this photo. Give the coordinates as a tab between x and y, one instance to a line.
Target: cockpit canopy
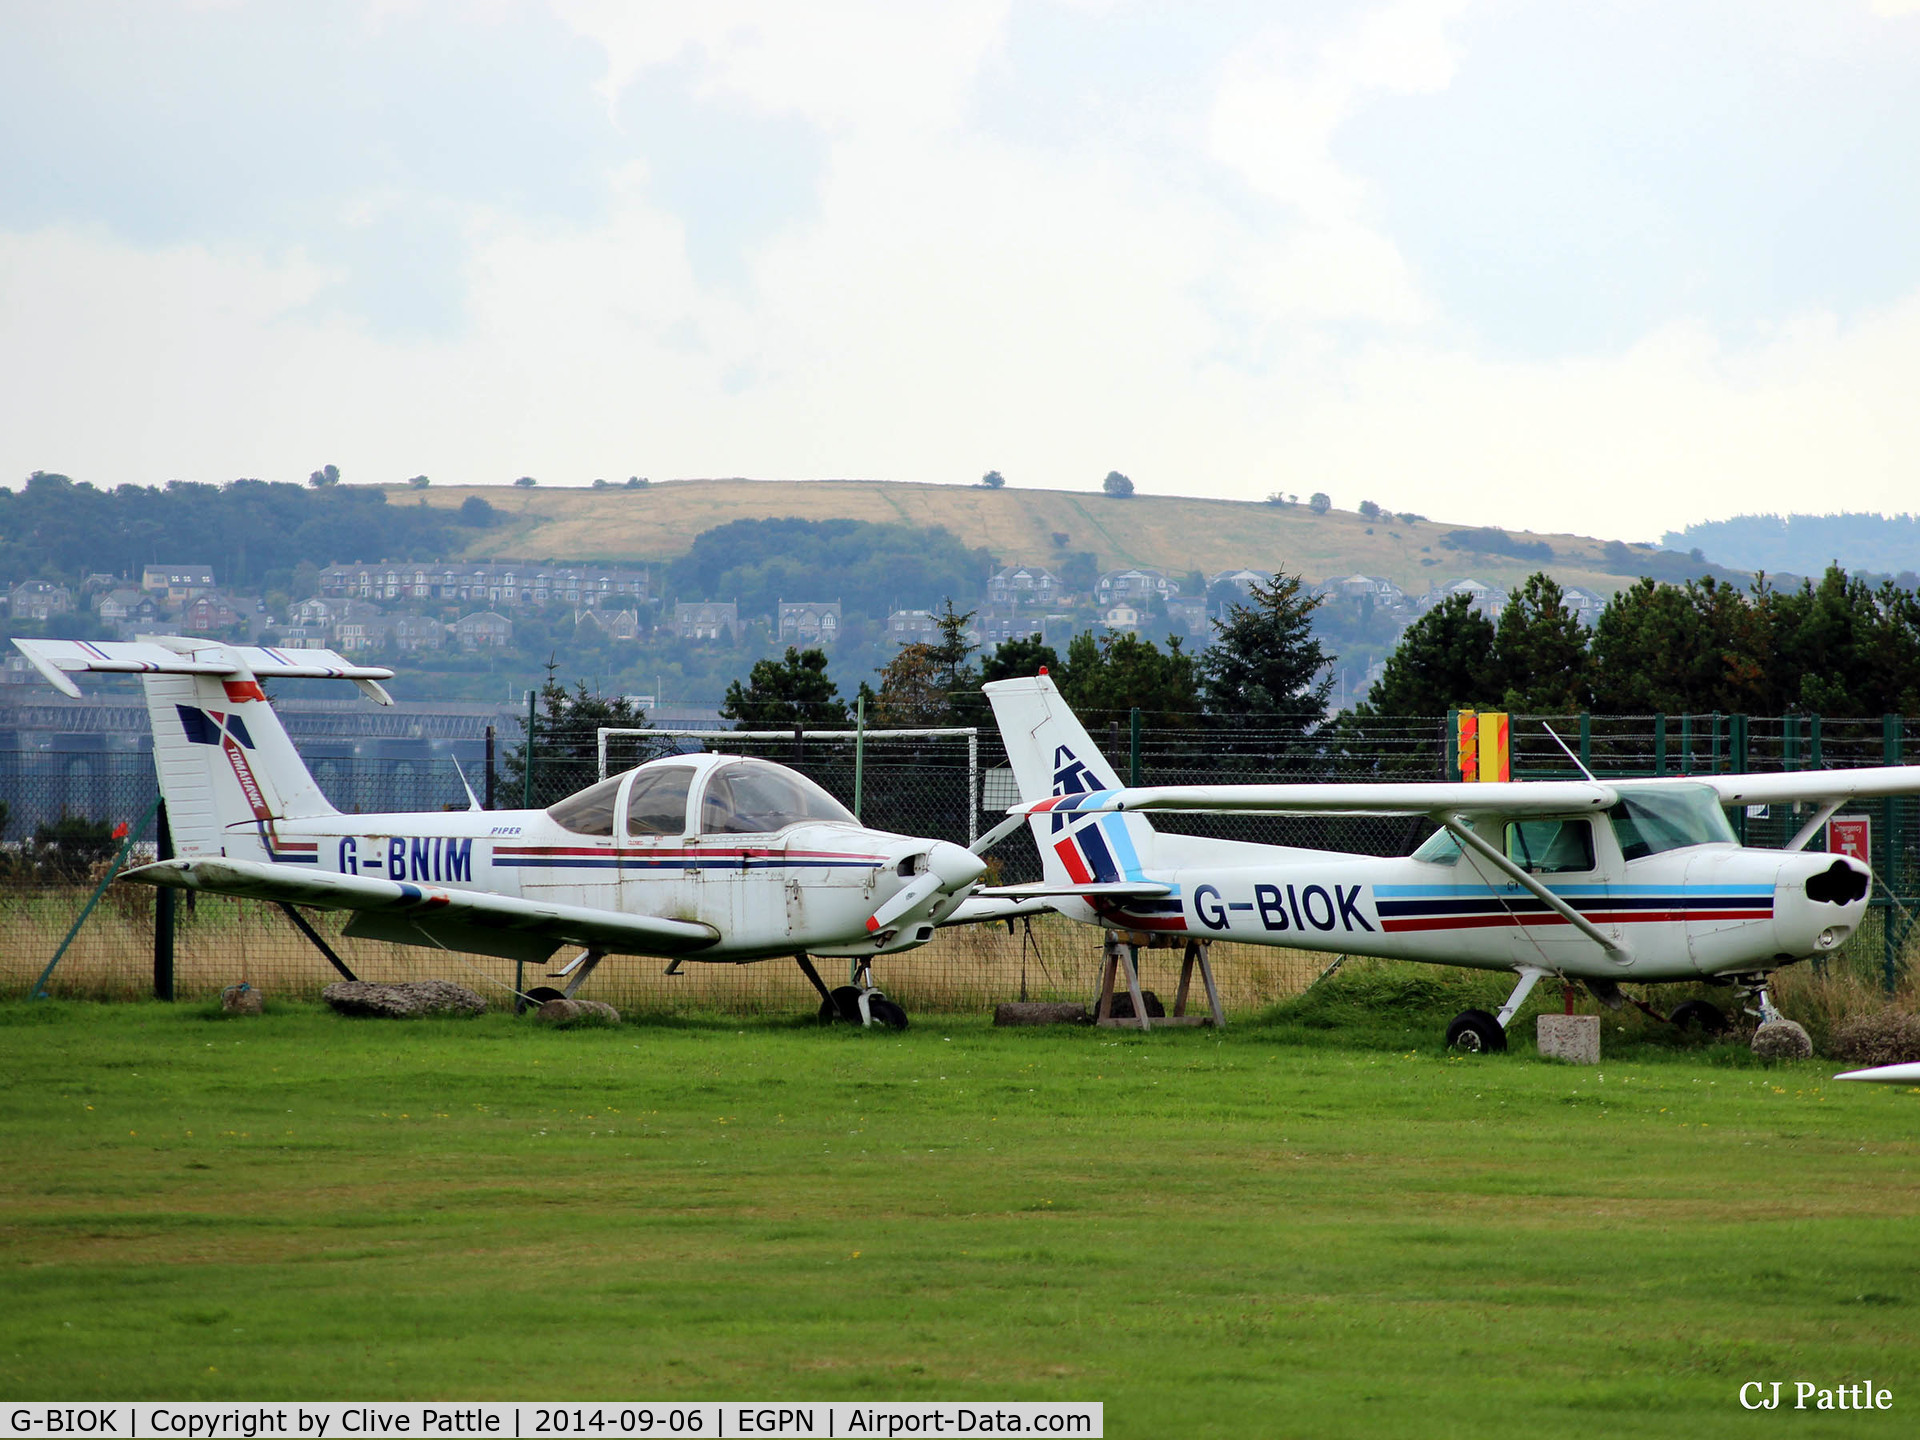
742	797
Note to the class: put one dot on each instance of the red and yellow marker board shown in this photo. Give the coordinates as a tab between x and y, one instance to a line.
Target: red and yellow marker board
1483	745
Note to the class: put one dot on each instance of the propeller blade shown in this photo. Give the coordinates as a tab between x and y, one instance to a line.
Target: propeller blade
905	901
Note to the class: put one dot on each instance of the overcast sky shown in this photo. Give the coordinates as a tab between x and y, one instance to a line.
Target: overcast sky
1609	268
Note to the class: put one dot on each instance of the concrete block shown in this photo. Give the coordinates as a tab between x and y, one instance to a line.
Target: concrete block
1575	1038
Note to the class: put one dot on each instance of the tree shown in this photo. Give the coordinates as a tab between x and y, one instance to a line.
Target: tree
786	693
1117	485
1320	502
1540	651
920	684
419	482
1369	510
566	740
1119	671
1265	661
993	480
1443	662
1015	658
637	482
526	482
1675	649
326	475
476	512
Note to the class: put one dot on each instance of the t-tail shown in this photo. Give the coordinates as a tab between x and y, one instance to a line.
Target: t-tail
227	769
1052	754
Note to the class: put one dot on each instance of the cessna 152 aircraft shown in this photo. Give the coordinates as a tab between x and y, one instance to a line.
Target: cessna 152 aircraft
1603	882
693	857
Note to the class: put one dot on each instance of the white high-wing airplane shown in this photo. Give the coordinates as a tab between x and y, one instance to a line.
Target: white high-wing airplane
1604	882
693	857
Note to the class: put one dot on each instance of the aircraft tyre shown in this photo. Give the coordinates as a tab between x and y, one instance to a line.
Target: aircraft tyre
1701	1015
540	994
886	1013
842	1004
1476	1032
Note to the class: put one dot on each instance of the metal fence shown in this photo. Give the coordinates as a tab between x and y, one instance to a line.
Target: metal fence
61	809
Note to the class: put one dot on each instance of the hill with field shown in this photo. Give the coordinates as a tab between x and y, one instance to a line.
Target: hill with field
1176	534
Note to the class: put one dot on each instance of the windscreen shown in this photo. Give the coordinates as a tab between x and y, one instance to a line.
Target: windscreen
657	804
591	811
1650	821
753	797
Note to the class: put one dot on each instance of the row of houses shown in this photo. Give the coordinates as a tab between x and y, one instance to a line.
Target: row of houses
360	627
507	583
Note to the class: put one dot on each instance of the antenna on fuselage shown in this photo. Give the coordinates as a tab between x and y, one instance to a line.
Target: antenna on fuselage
1570	755
473	801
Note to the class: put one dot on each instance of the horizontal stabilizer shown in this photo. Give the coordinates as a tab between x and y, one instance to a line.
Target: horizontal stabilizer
183	655
425	906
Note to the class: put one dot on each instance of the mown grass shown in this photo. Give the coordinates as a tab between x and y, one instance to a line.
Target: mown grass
1313	1223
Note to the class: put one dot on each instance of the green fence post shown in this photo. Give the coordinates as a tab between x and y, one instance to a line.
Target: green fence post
1891	728
1659	745
1737	743
1133	765
1790	742
1586	741
1813	741
526	772
1686	744
860	751
1453	746
162	910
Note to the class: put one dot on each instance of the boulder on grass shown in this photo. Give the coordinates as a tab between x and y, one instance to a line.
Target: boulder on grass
567	1013
1042	1012
1886	1037
242	999
408	1000
1783	1040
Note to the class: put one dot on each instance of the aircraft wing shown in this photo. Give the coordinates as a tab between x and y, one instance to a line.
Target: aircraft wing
977	911
1533	797
459	919
175	655
1793	786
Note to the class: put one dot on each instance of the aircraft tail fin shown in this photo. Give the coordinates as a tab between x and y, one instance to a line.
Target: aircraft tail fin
227	768
1052	754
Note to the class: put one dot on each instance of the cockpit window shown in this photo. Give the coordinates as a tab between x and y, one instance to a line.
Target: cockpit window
1440	848
657	804
1648	822
1550	847
753	797
591	811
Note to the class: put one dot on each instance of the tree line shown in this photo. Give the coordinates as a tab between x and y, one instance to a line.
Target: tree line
1836	646
250	531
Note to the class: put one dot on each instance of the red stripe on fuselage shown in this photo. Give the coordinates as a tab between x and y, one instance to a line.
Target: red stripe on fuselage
1598	917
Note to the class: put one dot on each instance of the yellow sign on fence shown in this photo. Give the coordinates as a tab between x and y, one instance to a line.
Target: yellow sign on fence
1482	743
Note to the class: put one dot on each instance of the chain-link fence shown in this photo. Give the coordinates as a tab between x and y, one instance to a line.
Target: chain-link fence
63	807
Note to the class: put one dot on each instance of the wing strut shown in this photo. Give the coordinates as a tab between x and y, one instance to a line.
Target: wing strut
1616	952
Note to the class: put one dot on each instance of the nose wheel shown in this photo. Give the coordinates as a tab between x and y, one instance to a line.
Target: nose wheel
861	1004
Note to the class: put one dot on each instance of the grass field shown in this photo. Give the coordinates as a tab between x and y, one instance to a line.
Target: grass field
1168	532
1313	1223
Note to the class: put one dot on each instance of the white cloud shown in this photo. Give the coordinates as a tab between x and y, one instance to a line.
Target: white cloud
1232	323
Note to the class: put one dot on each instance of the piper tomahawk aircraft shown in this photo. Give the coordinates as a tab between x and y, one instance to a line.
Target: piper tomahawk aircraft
1603	882
692	857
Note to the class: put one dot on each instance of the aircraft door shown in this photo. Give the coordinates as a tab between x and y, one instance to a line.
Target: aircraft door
584	869
659	876
1560	853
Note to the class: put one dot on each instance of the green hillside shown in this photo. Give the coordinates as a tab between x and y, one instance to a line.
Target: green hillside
1166	532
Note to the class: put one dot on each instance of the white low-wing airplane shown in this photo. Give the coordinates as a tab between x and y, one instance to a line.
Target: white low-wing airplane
693	857
1604	882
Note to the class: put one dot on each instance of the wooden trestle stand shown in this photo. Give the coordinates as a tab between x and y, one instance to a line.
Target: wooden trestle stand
1121	953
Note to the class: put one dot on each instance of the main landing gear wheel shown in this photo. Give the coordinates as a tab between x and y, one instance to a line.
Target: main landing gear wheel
540	994
1699	1015
1476	1032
